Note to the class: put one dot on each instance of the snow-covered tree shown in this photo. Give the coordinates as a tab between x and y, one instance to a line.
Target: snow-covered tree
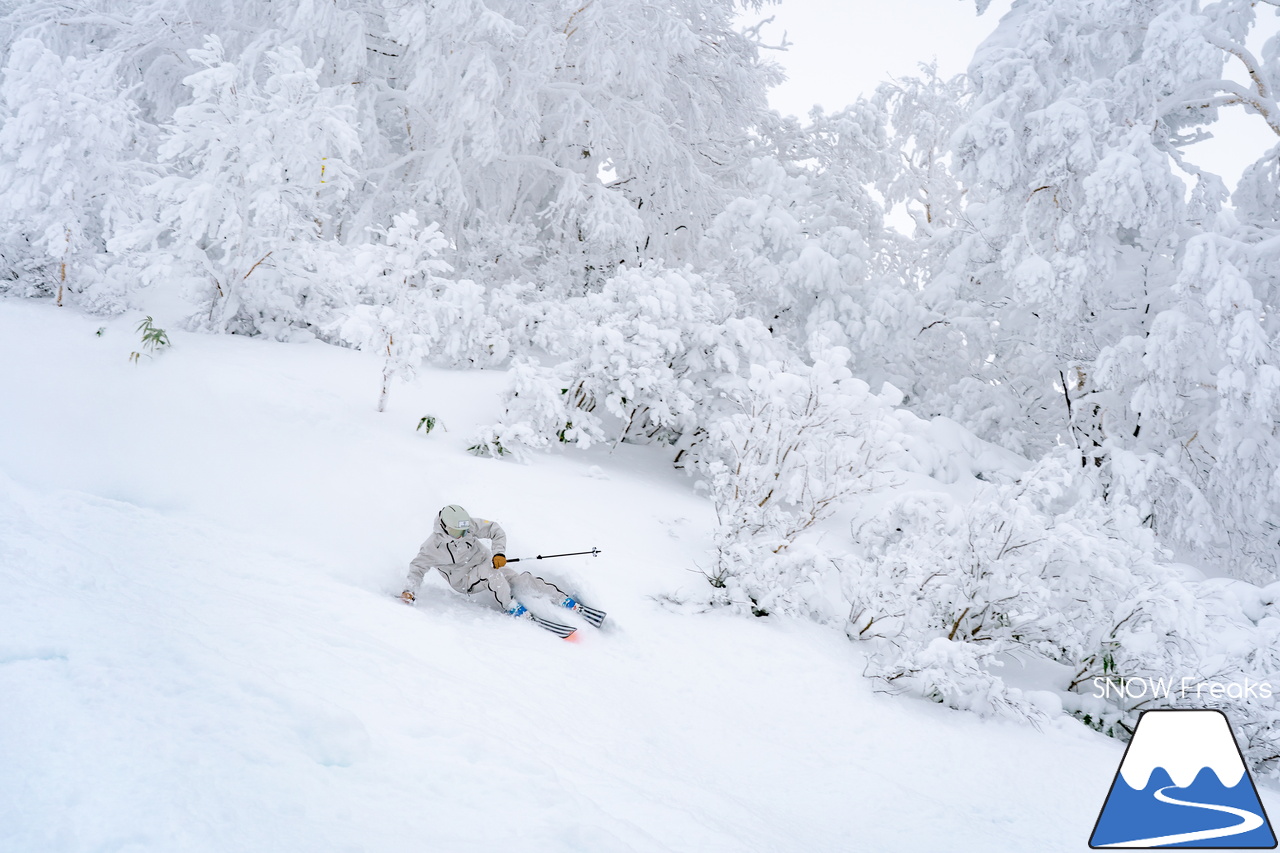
551	141
398	303
930	336
1124	321
1072	193
808	251
798	246
70	162
922	114
260	167
600	133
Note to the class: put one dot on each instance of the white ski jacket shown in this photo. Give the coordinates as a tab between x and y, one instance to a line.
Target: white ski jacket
465	562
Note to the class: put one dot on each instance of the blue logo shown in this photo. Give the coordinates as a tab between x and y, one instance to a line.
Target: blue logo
1183	783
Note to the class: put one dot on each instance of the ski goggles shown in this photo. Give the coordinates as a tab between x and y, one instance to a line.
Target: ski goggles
459	528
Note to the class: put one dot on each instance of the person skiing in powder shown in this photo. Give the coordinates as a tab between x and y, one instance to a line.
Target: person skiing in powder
472	567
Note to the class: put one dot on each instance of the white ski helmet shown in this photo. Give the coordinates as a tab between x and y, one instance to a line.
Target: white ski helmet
455	521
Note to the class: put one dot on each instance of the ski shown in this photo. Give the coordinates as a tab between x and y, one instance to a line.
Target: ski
595	617
562	631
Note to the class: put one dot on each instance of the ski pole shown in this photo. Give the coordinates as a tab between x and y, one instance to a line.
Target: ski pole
593	552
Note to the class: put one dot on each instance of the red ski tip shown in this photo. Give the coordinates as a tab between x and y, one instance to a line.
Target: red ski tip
572	638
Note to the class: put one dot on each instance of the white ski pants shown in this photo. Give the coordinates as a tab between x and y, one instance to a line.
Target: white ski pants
485	580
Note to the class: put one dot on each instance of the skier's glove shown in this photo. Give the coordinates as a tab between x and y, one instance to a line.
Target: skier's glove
407	595
499	561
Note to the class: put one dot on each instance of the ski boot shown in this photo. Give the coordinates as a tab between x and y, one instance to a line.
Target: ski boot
519	611
595	617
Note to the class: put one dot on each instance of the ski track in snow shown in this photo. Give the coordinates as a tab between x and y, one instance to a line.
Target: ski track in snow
1248	822
199	650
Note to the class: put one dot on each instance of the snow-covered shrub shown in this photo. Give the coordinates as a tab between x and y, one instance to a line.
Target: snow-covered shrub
944	591
644	360
1018	568
537	414
648	347
793	446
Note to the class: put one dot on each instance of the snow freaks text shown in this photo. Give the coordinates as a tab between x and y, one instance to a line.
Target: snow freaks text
1181	688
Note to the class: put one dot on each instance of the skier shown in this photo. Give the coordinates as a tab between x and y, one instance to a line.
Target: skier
455	550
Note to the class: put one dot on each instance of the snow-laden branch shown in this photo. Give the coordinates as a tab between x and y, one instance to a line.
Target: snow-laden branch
1251	64
1229	93
1260	98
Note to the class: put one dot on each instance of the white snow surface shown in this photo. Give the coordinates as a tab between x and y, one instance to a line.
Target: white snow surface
199	650
1183	743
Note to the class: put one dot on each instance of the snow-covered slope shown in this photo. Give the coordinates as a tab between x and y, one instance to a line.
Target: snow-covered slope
199	652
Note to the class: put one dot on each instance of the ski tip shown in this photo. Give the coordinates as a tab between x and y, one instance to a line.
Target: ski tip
573	638
561	631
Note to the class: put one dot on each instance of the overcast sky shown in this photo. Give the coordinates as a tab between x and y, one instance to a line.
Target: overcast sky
843	48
